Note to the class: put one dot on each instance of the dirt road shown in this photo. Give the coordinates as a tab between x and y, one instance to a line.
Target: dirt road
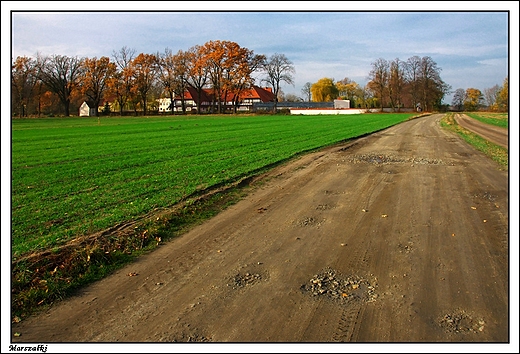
401	236
492	133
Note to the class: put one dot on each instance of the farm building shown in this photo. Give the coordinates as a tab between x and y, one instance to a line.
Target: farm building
243	103
85	110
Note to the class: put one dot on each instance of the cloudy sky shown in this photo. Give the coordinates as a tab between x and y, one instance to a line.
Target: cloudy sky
471	48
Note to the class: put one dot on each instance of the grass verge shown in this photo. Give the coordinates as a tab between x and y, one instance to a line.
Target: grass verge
495	152
42	279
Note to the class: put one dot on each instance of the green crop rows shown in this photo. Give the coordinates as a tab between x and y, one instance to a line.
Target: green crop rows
75	176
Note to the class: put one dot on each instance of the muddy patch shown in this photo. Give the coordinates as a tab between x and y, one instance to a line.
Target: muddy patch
332	285
384	159
460	321
325	207
309	221
187	336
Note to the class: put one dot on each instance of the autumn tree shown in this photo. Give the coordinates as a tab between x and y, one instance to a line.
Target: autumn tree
95	80
459	96
396	83
324	90
61	75
348	89
503	97
229	68
473	99
366	96
198	71
215	56
239	72
23	83
144	71
432	88
378	77
306	91
278	69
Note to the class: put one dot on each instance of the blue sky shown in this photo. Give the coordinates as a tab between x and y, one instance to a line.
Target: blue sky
471	48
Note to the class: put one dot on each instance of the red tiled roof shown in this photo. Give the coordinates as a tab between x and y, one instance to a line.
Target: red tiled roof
264	94
255	92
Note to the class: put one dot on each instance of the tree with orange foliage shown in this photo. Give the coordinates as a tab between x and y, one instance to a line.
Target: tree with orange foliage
215	56
144	70
229	68
94	82
23	83
198	72
238	75
473	99
503	96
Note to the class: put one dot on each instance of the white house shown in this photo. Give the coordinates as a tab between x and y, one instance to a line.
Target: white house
86	111
164	105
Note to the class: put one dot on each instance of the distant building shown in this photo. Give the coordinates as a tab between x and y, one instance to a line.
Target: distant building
243	103
85	110
164	105
338	104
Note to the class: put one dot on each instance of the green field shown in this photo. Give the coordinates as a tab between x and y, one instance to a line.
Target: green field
75	176
498	119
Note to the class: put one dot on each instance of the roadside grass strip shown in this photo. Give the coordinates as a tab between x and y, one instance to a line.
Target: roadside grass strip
496	152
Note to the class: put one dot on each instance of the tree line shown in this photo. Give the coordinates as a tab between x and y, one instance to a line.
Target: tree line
47	83
495	98
51	84
415	83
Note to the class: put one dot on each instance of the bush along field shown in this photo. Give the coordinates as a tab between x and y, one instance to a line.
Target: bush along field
90	195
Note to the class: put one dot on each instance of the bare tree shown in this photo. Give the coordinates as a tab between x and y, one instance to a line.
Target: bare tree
458	99
306	91
379	79
491	94
396	83
173	74
123	57
278	69
61	75
122	82
412	69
